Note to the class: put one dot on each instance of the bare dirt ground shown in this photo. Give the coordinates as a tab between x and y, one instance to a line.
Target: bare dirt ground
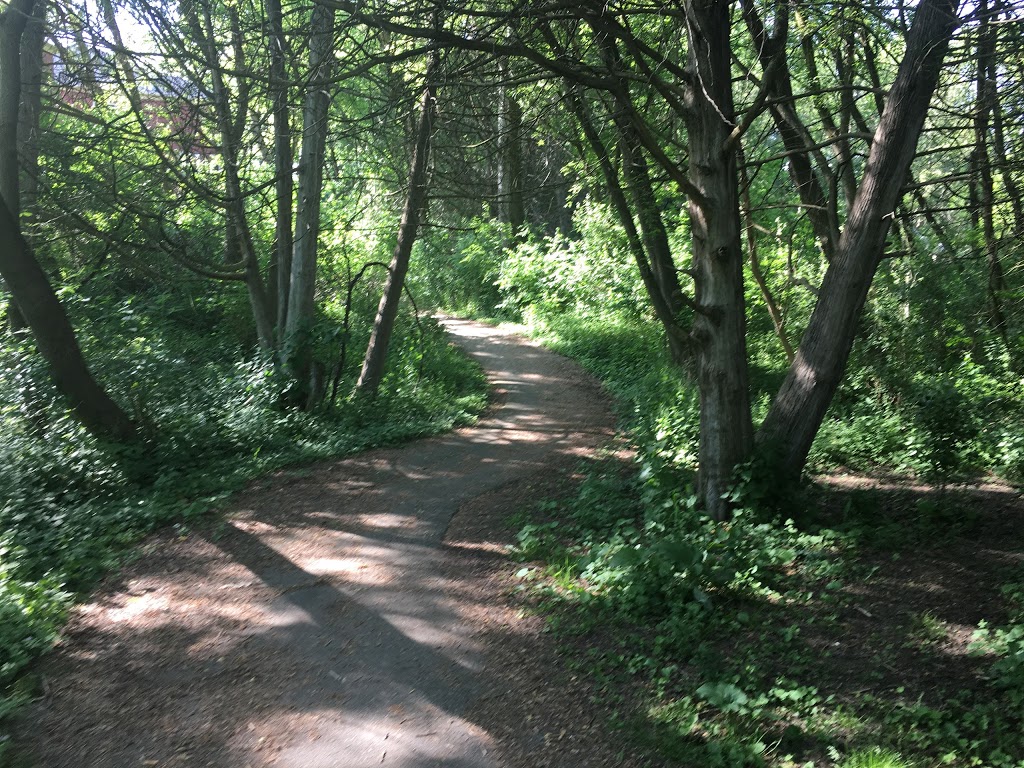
338	616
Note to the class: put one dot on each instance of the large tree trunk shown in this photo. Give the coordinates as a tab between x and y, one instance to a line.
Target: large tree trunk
54	336
297	353
726	433
384	324
799	408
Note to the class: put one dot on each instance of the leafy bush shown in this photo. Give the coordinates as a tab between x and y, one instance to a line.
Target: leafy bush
593	273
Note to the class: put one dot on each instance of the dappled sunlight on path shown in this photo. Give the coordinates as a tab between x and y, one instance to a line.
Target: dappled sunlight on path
316	627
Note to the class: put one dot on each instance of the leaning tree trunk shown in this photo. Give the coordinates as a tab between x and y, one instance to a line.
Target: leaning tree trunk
384	324
799	408
677	335
30	289
55	338
719	328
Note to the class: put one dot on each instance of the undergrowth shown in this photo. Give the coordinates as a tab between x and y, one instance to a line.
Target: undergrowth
731	634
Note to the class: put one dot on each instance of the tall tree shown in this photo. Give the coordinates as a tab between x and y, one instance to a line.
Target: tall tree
415	202
798	409
28	284
301	305
719	330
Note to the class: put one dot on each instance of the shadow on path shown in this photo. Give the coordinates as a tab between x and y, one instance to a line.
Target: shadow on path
317	626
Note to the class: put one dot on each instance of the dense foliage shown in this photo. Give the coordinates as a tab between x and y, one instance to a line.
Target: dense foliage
786	235
718	623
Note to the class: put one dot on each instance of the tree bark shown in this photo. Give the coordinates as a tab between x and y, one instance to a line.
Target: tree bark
384	324
297	352
800	406
726	432
55	338
13	22
511	209
281	266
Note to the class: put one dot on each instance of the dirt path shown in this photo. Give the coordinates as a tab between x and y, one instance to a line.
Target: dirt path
329	623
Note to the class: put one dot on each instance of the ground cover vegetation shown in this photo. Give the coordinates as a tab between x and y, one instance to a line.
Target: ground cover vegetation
787	235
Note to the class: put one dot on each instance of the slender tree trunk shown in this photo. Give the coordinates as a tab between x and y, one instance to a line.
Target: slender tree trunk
387	311
55	338
281	266
511	209
799	408
239	244
726	432
13	21
678	337
297	351
778	321
652	226
985	101
771	49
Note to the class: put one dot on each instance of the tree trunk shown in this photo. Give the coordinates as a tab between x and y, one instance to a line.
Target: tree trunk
31	106
239	244
380	338
719	329
985	100
771	51
297	352
778	320
799	408
55	338
511	209
677	336
655	235
281	266
13	22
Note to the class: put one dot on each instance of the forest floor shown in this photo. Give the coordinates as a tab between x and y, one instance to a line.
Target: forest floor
353	613
367	612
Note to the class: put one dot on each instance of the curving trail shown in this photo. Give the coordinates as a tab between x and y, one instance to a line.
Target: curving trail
319	626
